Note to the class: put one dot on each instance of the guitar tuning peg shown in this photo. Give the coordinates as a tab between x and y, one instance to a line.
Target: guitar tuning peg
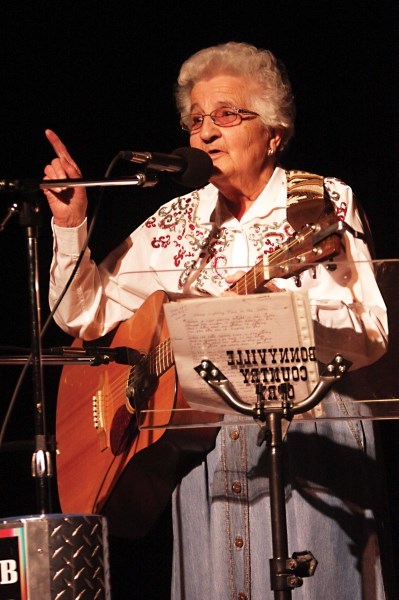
331	266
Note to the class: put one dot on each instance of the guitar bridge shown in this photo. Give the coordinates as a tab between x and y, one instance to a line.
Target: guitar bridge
98	404
99	407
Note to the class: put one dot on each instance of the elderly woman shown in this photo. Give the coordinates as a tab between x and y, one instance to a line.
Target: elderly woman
237	106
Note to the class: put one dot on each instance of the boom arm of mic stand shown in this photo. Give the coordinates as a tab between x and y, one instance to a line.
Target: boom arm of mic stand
148	179
139	179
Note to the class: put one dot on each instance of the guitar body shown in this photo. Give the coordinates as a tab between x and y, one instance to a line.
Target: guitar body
93	414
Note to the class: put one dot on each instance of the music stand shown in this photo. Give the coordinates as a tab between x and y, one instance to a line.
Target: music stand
286	572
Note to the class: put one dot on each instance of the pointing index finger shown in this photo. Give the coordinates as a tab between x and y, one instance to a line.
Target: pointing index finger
60	148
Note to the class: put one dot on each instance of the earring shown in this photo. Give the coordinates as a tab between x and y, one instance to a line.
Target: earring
270	151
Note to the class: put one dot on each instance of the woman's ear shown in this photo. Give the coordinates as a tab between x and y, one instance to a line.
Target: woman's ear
276	135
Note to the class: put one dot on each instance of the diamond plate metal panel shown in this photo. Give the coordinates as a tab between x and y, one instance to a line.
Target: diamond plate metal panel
78	561
66	557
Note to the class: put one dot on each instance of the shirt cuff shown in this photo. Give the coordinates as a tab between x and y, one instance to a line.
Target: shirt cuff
69	240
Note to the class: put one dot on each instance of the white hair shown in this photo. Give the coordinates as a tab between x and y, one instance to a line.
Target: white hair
272	96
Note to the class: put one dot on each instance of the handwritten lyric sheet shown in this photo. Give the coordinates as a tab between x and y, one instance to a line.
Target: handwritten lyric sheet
259	338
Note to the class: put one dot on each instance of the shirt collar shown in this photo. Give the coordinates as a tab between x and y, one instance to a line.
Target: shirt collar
272	196
213	210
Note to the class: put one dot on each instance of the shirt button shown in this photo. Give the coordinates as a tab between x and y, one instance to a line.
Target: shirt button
234	434
236	487
239	542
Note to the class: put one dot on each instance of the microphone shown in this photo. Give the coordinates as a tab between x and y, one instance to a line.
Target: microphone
190	167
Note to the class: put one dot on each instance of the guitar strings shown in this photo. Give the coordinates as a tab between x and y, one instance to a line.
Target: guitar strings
242	284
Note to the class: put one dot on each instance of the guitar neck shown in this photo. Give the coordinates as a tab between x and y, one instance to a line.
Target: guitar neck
160	359
250	281
313	244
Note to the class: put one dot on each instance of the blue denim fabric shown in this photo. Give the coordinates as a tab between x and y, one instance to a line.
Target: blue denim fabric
221	515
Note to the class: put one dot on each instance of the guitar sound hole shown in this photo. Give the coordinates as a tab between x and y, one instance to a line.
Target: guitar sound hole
142	385
124	429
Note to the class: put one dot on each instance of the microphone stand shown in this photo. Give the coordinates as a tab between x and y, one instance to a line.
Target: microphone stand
42	469
72	545
29	217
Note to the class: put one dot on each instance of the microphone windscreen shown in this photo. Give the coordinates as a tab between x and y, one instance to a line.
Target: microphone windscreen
199	167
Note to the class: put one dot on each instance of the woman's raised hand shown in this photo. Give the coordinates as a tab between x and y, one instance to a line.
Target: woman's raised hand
67	204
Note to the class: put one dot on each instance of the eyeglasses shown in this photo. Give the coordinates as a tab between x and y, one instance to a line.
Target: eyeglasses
223	117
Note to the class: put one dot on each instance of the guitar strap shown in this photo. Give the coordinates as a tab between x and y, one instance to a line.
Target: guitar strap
307	199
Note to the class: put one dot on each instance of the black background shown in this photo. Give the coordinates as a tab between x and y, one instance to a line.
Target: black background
101	74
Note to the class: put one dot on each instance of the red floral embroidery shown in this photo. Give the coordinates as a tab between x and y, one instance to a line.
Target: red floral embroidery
272	244
151	222
181	235
341	210
179	257
162	242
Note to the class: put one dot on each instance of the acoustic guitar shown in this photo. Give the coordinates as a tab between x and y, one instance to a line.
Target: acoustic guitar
98	407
